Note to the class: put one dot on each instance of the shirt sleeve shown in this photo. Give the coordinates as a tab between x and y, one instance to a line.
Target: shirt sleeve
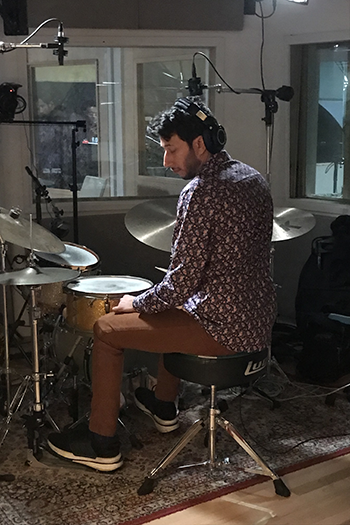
189	255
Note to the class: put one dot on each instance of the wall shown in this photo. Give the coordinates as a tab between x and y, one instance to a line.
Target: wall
241	115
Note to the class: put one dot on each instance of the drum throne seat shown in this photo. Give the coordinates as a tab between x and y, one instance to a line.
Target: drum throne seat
218	373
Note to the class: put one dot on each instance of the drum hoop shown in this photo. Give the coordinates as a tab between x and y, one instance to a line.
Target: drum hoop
82	269
86	249
101	295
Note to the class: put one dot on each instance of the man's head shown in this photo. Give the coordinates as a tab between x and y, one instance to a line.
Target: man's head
189	135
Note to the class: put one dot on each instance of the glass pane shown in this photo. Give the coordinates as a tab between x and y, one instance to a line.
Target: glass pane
64	95
330	126
321	134
160	83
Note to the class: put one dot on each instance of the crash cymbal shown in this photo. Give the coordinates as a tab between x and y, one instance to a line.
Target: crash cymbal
289	223
33	276
152	222
16	229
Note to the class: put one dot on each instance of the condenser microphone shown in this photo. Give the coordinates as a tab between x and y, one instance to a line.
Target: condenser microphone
60	40
195	85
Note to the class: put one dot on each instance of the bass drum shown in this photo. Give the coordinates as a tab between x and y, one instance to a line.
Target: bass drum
51	297
88	298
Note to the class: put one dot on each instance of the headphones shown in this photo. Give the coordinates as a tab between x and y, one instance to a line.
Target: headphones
214	135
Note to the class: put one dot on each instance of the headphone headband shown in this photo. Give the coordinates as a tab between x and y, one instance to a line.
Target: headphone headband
214	135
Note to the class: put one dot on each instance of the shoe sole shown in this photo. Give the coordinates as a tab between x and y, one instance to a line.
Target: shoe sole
162	427
102	464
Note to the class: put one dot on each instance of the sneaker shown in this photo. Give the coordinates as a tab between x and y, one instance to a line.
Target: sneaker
163	413
81	446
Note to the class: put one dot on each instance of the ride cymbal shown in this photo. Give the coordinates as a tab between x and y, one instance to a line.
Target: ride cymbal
152	222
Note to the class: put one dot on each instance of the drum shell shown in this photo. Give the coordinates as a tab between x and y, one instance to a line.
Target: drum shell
84	308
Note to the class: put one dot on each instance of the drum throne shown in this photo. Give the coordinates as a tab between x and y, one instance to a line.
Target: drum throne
217	373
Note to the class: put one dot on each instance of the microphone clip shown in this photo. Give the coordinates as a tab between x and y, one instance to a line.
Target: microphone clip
195	86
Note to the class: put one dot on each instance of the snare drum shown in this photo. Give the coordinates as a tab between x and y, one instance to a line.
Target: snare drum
50	297
88	298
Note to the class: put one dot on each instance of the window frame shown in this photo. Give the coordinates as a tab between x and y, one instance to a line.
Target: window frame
314	205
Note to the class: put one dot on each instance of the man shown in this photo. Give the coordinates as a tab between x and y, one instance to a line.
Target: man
216	298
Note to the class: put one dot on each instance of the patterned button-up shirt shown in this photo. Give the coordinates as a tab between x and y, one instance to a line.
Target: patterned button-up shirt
219	268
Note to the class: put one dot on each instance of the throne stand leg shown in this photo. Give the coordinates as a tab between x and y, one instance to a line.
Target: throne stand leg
149	481
280	488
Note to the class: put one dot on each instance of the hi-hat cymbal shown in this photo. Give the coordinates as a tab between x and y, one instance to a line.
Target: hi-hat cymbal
35	276
152	222
17	230
289	223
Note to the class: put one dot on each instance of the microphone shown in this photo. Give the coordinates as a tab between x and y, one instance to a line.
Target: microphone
60	40
195	85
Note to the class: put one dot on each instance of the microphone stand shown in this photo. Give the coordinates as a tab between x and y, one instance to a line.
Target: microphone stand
74	145
268	97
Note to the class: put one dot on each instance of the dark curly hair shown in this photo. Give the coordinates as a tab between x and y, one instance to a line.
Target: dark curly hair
177	121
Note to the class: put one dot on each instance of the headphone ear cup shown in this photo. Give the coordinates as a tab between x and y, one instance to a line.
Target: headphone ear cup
214	138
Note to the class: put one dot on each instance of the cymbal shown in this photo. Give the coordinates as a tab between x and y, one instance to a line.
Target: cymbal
16	229
289	223
33	276
152	222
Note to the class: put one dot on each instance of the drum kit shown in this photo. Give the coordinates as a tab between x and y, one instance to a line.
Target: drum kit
65	288
70	290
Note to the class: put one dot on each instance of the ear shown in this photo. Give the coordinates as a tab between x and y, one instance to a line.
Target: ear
199	146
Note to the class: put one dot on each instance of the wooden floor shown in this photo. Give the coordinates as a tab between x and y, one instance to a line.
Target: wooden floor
320	496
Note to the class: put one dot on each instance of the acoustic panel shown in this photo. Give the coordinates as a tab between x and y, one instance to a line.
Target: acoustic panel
201	15
104	14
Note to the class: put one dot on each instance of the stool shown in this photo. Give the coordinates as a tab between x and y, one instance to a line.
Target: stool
217	373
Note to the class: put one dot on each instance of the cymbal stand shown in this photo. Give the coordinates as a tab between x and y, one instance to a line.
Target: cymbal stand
6	330
6	477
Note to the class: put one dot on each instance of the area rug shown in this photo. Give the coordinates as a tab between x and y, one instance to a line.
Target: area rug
304	429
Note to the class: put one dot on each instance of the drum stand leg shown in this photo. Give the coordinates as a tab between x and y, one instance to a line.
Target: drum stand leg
38	415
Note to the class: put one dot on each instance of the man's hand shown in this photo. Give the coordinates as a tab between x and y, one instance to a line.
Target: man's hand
125	305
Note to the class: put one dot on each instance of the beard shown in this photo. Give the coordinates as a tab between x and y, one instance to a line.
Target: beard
192	165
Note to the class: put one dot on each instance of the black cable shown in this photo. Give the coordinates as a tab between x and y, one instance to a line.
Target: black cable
262	47
216	71
274	6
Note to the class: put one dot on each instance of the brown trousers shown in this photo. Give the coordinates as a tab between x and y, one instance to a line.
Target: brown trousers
169	331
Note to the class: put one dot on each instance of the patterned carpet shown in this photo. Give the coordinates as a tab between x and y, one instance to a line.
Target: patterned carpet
303	429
